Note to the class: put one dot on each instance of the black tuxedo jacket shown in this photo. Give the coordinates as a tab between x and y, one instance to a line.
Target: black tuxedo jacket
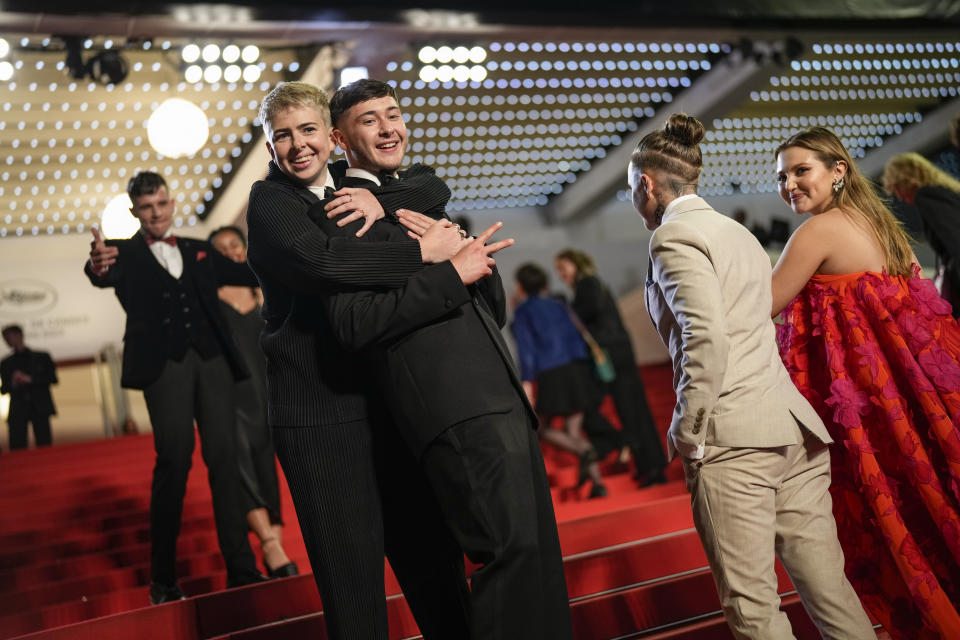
435	345
139	283
311	380
34	398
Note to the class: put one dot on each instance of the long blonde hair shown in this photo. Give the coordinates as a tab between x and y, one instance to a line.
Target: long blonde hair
858	198
908	172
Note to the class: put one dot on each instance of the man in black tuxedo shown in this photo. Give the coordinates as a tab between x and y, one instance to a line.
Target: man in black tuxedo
27	375
357	490
449	381
179	351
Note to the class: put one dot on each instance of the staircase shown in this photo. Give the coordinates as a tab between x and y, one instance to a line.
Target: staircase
74	555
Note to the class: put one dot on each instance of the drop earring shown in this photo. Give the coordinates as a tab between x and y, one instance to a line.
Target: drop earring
838	185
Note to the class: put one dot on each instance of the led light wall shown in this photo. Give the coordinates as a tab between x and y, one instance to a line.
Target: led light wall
69	147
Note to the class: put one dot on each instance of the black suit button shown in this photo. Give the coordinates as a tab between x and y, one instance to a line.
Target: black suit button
448	303
187	325
166	321
183	295
186	309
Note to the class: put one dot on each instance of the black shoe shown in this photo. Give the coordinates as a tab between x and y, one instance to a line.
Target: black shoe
160	593
653	477
248	577
586	459
598	491
283	571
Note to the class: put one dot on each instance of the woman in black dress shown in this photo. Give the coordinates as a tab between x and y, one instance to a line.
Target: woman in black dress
554	355
597	310
258	470
936	194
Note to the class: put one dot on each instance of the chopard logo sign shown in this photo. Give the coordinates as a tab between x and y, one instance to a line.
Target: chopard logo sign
23	296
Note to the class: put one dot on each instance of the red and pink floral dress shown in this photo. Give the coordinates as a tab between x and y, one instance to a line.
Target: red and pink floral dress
879	358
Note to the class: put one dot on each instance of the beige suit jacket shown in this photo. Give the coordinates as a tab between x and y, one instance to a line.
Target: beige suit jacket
709	296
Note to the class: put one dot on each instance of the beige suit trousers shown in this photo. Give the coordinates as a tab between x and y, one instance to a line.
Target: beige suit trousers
751	504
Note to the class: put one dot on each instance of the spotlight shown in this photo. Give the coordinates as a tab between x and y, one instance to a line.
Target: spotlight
108	67
4	48
74	47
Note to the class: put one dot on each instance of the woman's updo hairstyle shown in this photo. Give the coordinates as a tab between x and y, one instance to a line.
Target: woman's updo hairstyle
674	149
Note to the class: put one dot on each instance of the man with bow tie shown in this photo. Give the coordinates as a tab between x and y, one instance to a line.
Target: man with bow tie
179	351
435	349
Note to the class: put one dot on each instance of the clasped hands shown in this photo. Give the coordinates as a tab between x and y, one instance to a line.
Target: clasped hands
440	240
20	378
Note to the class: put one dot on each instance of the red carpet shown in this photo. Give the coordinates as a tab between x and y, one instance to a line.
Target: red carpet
74	554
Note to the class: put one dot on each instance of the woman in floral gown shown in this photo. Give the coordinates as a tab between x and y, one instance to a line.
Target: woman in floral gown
875	350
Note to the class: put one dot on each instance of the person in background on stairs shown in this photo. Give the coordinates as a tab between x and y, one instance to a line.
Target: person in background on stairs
553	355
27	375
754	451
178	349
255	454
936	194
595	306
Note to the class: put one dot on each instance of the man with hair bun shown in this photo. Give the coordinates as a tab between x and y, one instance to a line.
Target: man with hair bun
754	451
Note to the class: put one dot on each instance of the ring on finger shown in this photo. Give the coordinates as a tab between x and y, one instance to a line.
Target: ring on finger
350	195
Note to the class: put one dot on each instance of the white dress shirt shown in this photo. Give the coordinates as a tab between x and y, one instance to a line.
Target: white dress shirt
168	256
319	191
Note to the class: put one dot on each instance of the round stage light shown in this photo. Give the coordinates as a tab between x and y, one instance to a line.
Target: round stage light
250	53
251	73
427	54
193	74
4	48
231	53
210	53
177	128
190	53
232	73
6	71
212	74
116	221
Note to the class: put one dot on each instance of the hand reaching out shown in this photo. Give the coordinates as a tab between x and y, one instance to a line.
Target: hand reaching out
360	203
101	256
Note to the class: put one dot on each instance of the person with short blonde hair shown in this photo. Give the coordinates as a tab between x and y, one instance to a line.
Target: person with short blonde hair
353	482
287	95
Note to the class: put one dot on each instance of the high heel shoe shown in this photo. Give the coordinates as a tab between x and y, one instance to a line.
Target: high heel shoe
598	490
587	458
283	571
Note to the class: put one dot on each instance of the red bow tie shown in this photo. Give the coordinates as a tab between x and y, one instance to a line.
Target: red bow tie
170	240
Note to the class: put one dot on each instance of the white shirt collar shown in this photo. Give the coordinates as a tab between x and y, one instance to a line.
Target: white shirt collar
363	174
673	204
329	183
